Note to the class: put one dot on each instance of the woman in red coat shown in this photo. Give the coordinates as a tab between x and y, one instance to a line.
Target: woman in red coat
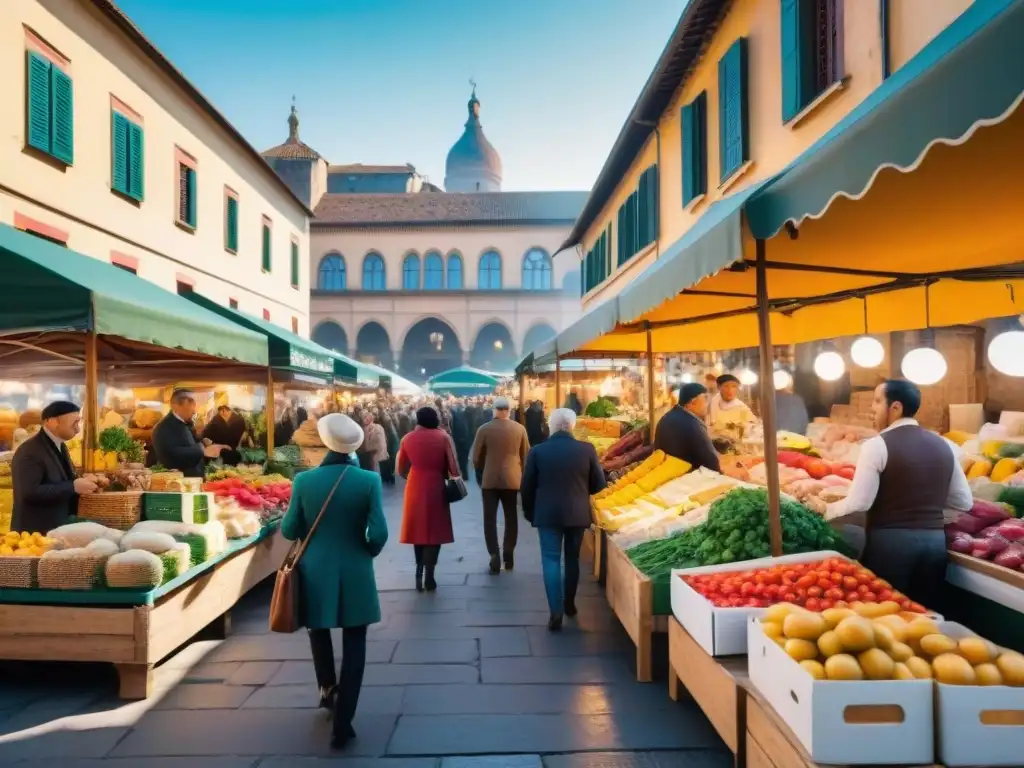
426	459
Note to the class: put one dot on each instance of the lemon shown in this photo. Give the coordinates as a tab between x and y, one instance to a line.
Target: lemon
6	550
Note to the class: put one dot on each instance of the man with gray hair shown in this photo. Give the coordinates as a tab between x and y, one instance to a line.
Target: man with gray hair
561	475
174	440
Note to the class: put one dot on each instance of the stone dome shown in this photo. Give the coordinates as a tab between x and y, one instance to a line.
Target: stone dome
473	165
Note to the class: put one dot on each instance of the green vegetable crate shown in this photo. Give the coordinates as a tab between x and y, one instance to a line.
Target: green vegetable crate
178	507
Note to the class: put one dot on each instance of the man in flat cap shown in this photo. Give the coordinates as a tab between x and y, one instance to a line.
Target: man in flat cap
682	432
46	490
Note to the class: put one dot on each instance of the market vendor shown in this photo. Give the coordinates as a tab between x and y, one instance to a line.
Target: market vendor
728	415
682	432
175	442
906	477
46	490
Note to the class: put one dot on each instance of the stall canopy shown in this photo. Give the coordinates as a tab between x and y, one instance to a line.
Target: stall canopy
464	378
47	287
922	188
399	385
287	351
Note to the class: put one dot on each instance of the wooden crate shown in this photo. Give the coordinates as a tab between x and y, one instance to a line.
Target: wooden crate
135	638
718	685
769	741
631	597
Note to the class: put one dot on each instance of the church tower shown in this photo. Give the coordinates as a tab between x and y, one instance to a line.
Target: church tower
299	165
473	165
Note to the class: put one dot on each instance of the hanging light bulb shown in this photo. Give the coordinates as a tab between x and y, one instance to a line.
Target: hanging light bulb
925	365
829	364
747	377
1006	353
782	379
867	352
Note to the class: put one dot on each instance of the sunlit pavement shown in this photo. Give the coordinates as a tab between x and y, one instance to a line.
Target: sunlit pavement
467	677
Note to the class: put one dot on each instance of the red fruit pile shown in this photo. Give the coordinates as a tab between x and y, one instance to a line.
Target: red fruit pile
270	497
832	583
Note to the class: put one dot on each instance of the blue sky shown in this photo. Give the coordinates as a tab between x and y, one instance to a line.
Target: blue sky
386	81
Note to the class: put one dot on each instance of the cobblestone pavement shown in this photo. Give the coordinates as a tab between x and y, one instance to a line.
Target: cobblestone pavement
467	677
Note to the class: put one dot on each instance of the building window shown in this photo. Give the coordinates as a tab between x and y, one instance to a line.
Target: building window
433	271
233	303
127	154
411	273
694	122
50	107
812	51
230	220
267	260
597	262
490	272
374	275
331	274
537	270
187	193
295	264
184	287
125	262
637	219
733	116
126	268
454	272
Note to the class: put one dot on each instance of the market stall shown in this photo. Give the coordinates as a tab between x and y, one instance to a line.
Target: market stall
464	381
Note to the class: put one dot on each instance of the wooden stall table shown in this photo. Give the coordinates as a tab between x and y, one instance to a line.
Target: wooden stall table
718	685
631	597
771	744
986	597
134	630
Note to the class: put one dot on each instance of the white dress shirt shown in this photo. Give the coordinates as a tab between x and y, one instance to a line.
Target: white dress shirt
56	440
874	455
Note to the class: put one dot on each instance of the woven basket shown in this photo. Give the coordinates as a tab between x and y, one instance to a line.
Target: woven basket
85	572
18	571
115	509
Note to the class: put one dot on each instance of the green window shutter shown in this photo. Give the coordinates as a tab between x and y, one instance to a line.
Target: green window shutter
136	161
231	240
295	265
651	206
62	106
797	28
190	187
38	102
732	108
695	158
641	210
119	153
609	265
266	248
619	219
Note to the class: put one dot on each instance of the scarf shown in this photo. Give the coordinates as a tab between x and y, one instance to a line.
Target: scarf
333	459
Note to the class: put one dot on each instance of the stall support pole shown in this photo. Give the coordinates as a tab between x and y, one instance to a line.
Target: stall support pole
771	453
270	413
522	398
650	381
92	401
558	382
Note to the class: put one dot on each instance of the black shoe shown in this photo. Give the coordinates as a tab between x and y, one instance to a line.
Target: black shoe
429	584
341	738
570	608
555	623
327	698
510	561
419	578
495	563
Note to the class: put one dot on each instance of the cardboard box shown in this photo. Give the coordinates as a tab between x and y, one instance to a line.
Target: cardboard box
723	631
870	722
978	725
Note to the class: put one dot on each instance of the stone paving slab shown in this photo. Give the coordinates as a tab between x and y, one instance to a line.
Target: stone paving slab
271	647
373	700
53	741
493	761
151	762
695	758
436	652
205	696
533	699
349	762
535	669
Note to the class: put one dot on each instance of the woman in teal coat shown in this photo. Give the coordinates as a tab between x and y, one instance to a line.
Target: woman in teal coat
337	587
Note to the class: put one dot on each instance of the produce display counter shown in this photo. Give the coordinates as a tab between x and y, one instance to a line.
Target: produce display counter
986	597
134	630
600	547
587	548
719	686
631	596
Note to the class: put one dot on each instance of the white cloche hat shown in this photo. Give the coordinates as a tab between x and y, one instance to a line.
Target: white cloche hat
340	433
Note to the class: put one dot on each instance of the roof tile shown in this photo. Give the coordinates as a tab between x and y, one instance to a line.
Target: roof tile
426	208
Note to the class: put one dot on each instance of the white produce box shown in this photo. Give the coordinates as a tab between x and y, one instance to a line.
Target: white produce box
723	631
820	712
960	713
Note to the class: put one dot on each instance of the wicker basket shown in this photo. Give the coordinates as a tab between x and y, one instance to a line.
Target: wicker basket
19	571
115	509
82	572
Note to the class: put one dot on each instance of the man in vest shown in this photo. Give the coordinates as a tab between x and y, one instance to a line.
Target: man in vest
906	477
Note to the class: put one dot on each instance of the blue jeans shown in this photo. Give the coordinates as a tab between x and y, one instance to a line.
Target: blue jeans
552	541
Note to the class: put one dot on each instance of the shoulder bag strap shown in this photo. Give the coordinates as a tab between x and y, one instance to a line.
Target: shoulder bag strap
312	529
450	455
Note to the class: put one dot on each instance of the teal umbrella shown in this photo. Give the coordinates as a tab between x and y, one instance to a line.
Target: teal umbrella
464	380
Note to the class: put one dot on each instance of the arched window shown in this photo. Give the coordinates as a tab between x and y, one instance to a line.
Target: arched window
374	276
331	276
537	270
411	273
454	272
433	271
490	272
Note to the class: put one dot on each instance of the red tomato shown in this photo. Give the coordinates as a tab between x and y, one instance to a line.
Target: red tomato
825	583
805	581
841	604
852	597
759	589
789	597
863	589
849	583
869	597
760	578
884	595
753	602
747	589
815	591
834	594
864	577
813	604
825	604
728	590
877	585
735	602
836	577
773	577
772	591
918	608
791	575
801	593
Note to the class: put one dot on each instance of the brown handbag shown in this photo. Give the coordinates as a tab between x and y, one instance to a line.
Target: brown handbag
284	604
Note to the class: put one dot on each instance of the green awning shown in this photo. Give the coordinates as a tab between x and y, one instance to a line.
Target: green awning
969	76
462	378
47	287
288	352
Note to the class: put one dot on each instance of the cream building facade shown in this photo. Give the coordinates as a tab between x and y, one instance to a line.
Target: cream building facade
421	280
106	148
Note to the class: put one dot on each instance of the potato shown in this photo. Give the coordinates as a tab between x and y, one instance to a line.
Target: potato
920	668
843	667
976	650
856	634
833	616
804	626
829	644
1011	666
801	650
988	674
936	645
877	664
814	668
953	669
900	651
901	671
